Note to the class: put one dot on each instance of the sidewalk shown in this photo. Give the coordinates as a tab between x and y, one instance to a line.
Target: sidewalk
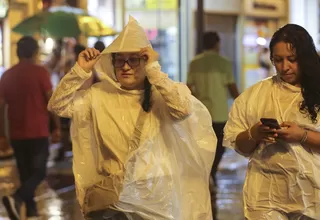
55	196
57	201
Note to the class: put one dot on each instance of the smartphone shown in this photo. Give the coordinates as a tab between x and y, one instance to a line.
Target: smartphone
270	122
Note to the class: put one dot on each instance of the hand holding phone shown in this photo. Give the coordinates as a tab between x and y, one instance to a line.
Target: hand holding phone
264	131
271	123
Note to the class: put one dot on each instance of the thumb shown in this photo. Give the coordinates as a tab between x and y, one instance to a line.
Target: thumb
258	124
98	57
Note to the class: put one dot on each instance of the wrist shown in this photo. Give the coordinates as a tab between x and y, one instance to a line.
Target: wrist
304	137
85	69
250	136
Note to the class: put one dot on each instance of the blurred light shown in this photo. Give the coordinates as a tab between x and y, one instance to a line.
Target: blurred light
85	19
49	44
249	40
261	41
40	5
173	31
56	218
54	208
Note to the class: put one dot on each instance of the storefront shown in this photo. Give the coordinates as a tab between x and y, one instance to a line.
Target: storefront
105	10
160	18
222	17
261	19
245	28
306	14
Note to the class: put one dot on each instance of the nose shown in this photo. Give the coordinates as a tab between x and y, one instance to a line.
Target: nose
126	66
285	65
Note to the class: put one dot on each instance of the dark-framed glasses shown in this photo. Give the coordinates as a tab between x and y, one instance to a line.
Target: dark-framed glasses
131	61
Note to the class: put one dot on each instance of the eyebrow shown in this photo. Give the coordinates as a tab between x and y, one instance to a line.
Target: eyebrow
122	56
291	56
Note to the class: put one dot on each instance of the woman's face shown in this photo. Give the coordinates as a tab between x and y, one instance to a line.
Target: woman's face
130	71
285	62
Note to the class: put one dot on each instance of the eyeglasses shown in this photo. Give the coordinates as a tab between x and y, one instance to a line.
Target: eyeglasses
131	61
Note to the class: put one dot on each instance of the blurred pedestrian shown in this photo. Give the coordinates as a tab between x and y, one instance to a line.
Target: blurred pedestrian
25	89
210	79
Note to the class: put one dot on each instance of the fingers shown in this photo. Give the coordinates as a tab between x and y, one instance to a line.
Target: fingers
145	49
269	140
144	52
266	129
281	131
90	54
287	124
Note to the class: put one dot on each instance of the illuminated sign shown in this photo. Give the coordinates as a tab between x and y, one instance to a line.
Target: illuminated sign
264	5
161	4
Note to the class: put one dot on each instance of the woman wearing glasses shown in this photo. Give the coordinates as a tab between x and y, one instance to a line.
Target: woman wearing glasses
143	146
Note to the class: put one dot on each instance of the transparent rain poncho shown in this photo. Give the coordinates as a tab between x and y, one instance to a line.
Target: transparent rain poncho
157	164
282	179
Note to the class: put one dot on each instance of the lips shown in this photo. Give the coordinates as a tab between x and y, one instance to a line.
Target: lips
288	74
126	75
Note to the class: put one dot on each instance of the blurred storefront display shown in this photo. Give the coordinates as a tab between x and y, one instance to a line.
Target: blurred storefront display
104	10
161	21
256	39
245	28
307	14
261	20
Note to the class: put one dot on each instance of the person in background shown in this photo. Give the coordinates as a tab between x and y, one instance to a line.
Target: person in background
53	65
282	180
26	89
210	79
99	45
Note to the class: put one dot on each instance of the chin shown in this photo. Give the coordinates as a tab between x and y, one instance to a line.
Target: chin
131	84
128	85
290	79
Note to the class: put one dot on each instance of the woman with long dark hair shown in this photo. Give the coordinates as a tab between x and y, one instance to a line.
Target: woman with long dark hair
276	124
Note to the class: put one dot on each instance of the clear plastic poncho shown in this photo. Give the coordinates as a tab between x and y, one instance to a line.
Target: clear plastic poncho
161	159
282	179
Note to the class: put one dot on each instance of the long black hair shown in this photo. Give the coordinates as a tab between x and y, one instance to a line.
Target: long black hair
146	103
309	65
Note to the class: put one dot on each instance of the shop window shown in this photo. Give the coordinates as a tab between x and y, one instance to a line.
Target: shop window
161	22
105	11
